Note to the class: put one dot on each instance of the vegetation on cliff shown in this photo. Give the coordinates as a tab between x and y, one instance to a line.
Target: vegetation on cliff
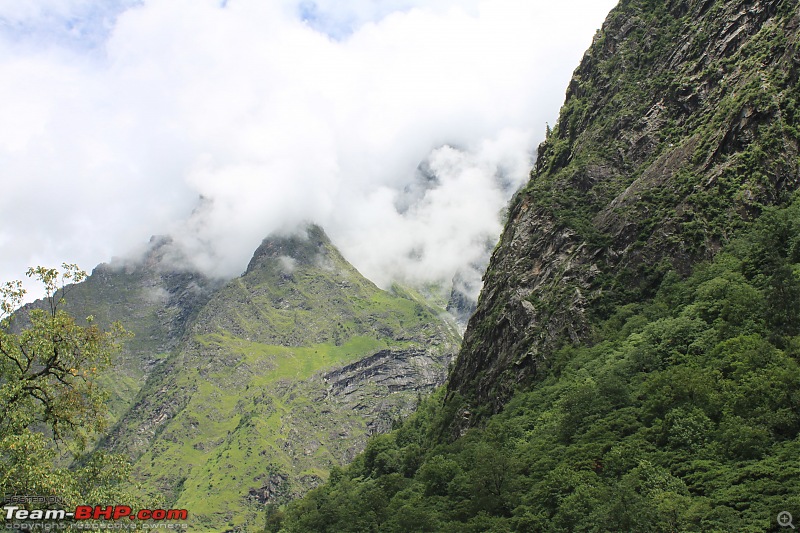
679	127
225	398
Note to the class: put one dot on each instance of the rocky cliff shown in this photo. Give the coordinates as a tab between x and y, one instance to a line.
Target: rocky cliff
680	125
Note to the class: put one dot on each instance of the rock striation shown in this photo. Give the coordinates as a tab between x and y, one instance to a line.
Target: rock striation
679	126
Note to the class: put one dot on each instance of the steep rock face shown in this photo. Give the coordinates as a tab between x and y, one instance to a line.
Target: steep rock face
155	296
408	371
285	372
462	302
679	125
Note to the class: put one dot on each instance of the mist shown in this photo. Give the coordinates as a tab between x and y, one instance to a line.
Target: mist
401	127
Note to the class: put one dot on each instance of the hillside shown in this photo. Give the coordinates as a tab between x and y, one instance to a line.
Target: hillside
632	364
283	374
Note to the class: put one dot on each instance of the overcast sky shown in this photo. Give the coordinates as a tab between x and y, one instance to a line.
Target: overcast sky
401	126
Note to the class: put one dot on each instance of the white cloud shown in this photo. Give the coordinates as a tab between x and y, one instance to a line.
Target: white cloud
273	121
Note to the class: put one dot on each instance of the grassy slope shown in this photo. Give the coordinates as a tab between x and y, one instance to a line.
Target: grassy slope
114	295
153	302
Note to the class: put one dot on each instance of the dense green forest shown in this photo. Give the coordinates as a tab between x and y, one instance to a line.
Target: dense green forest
681	414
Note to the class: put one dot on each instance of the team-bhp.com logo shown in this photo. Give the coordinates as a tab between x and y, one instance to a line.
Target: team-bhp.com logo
20	518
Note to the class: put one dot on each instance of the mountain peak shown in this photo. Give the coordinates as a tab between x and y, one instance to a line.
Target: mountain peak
304	247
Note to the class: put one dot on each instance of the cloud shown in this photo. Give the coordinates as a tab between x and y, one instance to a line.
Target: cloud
402	127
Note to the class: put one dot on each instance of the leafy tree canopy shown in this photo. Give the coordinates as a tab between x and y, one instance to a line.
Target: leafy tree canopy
49	397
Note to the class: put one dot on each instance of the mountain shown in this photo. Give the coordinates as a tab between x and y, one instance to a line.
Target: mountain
282	374
679	128
632	364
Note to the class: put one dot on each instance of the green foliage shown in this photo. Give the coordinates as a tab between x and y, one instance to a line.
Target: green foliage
683	415
681	412
47	370
49	396
677	146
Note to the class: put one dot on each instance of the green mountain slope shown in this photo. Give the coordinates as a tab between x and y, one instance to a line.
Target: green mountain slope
283	374
633	363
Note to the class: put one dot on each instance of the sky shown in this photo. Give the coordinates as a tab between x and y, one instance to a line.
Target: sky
402	127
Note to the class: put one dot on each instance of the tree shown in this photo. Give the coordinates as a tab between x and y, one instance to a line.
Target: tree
48	394
48	361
